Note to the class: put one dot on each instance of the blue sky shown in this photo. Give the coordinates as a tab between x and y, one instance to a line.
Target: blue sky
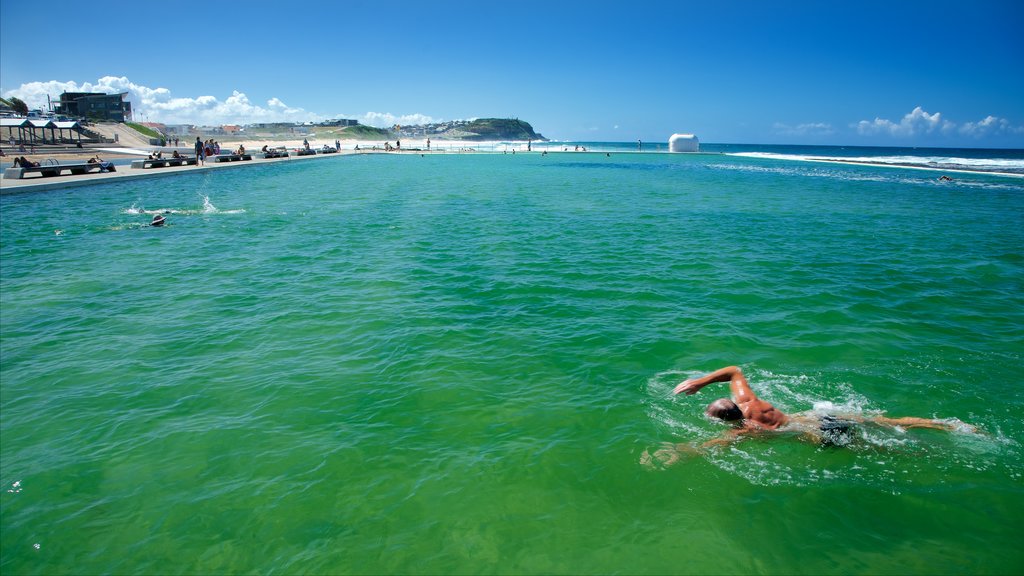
897	73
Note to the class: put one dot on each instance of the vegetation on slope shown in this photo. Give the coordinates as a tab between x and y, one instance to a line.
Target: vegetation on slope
147	132
500	129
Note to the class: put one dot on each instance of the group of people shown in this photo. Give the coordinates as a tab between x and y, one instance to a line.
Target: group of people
21	146
159	155
208	148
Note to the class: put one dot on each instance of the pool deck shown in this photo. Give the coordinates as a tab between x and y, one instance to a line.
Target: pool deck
36	184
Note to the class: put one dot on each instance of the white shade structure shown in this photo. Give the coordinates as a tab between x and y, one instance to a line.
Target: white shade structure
683	143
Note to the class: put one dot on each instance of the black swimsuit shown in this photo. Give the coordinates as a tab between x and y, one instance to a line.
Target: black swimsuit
835	432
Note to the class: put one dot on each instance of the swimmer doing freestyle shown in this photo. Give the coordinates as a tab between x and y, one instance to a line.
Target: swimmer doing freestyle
752	414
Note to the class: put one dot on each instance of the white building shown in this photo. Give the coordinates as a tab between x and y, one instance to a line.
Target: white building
683	143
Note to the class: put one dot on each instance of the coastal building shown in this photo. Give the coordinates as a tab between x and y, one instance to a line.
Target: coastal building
683	143
178	129
271	125
95	105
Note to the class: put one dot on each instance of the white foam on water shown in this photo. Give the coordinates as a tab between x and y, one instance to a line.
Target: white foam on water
208	208
1001	165
858	176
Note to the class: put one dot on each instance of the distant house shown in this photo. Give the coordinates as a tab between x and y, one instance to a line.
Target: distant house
231	129
161	128
95	105
340	122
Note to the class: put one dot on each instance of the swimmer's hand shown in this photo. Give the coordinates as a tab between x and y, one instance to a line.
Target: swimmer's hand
690	386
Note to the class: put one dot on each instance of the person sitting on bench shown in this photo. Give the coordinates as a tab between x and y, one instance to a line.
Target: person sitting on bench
25	163
104	165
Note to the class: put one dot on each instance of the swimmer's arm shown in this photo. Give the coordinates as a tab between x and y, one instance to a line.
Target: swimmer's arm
738	385
670	453
914	422
725	439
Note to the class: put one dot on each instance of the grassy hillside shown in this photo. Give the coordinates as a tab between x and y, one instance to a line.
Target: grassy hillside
500	129
366	133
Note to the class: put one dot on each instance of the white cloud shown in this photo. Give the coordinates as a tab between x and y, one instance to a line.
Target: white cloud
159	105
387	120
912	124
990	126
919	122
808	129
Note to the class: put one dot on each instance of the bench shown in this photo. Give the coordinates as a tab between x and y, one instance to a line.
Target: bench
275	154
306	152
230	157
57	170
161	162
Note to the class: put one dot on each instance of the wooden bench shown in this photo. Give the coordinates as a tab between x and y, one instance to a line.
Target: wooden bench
306	152
230	157
275	154
58	170
162	162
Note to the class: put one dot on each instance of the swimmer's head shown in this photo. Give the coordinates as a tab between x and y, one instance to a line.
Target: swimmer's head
158	220
724	409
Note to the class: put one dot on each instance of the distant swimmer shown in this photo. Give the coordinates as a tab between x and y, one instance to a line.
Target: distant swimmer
158	220
751	415
945	178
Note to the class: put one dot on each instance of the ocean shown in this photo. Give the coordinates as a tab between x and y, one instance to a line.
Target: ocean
463	364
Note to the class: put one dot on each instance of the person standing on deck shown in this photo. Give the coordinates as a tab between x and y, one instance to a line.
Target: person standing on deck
199	151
